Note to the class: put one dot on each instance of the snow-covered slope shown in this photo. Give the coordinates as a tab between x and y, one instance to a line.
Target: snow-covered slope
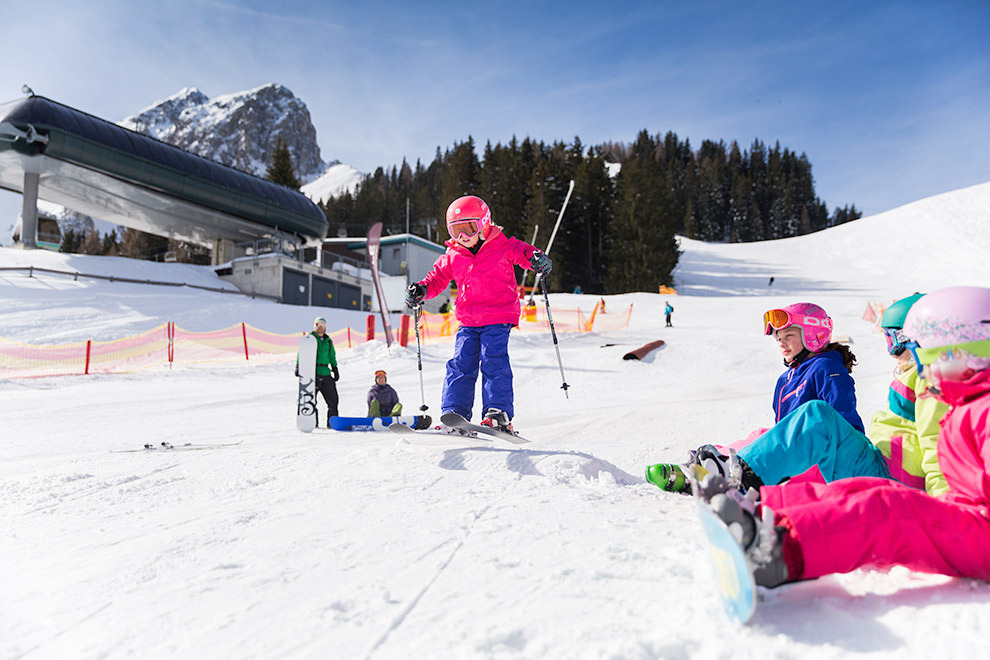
333	182
364	546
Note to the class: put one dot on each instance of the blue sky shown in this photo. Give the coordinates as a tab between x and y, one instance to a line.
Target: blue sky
889	100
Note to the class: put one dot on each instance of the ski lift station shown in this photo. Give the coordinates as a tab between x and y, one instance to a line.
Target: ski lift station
257	230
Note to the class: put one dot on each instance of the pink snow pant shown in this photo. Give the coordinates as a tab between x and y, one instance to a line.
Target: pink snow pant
868	521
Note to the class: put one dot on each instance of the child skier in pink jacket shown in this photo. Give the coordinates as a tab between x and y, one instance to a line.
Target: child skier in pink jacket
479	259
812	529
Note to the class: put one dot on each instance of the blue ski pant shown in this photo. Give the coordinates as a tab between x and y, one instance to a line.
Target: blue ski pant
814	434
485	348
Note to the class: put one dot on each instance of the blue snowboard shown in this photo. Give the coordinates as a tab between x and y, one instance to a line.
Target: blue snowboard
733	576
378	423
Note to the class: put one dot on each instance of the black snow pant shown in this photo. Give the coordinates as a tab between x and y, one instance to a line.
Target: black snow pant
328	388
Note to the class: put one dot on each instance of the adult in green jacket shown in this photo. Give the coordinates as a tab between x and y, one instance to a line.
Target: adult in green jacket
326	368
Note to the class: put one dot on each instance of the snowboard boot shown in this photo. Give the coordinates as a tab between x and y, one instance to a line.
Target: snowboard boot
668	477
733	469
761	540
498	420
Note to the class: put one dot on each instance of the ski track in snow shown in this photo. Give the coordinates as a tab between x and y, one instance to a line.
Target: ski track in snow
372	545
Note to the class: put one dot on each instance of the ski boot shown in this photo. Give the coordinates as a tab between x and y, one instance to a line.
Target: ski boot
734	471
761	540
498	420
668	477
423	422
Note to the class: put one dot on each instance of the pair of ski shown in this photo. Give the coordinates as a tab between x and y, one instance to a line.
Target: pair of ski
187	446
463	429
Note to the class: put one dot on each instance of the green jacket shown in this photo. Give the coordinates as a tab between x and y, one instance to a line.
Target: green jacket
325	355
907	433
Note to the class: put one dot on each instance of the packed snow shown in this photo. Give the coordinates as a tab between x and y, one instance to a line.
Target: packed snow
364	545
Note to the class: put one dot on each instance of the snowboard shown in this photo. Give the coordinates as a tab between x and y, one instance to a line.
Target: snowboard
379	423
168	446
306	403
733	575
458	422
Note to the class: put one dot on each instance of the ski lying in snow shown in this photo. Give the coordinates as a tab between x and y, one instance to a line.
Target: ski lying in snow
458	422
306	403
455	434
733	575
379	423
187	446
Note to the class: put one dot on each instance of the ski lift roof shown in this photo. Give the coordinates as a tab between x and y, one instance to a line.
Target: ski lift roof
397	239
97	167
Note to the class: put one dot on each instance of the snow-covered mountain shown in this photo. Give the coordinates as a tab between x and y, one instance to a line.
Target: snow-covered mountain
240	130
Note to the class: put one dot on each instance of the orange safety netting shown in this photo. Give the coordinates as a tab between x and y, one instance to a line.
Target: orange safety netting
533	319
168	344
165	345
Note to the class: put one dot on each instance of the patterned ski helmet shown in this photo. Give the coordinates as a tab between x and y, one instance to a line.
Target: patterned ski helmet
465	209
952	330
815	324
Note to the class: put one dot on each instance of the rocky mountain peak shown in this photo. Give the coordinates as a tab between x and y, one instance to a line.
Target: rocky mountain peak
239	130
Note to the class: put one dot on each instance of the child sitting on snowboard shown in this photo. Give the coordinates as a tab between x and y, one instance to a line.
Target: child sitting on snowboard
479	259
383	400
803	531
902	445
818	370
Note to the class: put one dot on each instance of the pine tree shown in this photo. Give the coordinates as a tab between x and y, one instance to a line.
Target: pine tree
70	241
91	243
281	170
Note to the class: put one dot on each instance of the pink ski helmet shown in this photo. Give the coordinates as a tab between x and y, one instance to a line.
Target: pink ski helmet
951	332
815	324
468	215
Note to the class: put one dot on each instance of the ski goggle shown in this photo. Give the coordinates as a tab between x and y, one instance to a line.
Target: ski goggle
896	340
775	319
467	228
949	363
379	373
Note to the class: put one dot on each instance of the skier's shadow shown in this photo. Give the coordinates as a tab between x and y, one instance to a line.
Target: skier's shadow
523	462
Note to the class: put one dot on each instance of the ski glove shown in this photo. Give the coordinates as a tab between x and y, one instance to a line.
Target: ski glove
541	263
297	370
415	294
334	373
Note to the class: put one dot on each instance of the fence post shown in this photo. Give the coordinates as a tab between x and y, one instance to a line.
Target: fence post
89	342
170	333
348	336
244	333
404	331
371	327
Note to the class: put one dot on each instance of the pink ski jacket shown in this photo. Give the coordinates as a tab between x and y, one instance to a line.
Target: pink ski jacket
486	282
964	442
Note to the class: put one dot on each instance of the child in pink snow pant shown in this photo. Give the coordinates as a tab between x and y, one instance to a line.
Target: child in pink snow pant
864	521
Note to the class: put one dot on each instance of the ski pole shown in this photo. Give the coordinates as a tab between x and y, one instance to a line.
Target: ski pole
419	359
553	333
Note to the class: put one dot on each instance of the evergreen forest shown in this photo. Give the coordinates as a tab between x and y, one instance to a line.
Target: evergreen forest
619	233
